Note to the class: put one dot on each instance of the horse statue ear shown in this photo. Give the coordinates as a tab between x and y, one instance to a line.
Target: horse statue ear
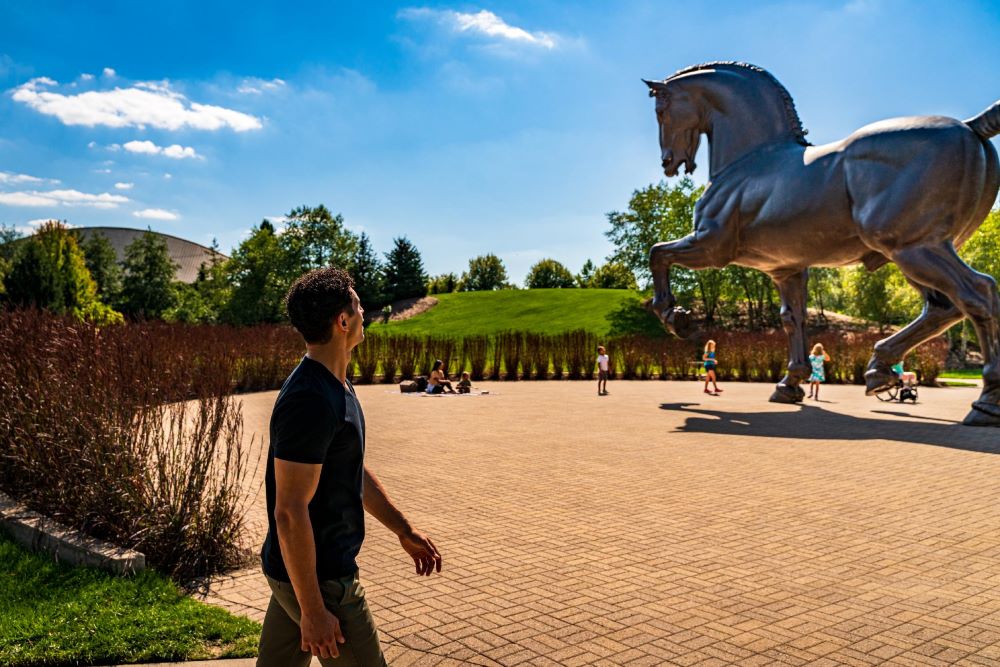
655	87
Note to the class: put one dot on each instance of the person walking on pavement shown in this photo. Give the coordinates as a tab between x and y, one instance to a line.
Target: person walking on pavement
318	489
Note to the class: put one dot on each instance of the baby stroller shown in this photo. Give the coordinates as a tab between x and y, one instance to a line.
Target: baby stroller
899	391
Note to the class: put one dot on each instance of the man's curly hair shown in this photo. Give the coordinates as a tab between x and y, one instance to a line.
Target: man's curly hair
316	299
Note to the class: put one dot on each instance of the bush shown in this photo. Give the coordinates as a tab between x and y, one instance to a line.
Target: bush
94	433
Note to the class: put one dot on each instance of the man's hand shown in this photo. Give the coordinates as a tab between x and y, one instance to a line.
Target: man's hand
321	634
423	552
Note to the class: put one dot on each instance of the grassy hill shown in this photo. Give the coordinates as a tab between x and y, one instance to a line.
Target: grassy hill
547	311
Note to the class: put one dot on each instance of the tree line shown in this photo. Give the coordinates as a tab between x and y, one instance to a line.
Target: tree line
60	270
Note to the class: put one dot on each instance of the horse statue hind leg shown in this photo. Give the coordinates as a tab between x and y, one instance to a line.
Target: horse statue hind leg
937	316
975	295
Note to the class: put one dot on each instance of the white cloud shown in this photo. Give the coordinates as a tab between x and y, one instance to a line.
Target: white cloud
179	152
91	144
7	178
483	23
61	197
175	151
155	214
168	176
252	86
41	221
108	72
124	186
141	147
87	77
144	104
102	171
25	199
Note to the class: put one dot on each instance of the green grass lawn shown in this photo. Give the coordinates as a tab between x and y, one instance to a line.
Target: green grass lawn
53	614
548	311
963	374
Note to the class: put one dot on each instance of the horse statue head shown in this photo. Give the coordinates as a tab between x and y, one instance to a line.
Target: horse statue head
739	107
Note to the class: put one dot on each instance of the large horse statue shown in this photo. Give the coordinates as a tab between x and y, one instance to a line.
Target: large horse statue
906	190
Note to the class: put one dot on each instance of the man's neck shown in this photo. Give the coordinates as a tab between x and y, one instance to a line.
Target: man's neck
334	355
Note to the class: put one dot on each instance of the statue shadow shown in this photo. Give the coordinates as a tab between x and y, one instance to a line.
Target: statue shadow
814	423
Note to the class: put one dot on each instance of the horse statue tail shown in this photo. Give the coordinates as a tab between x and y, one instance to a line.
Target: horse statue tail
986	124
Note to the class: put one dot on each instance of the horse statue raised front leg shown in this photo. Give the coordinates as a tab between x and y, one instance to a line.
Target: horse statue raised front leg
907	190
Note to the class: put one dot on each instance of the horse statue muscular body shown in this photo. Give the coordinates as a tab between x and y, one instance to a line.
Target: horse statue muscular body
906	190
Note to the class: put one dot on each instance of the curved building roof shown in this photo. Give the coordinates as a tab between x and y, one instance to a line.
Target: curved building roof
187	254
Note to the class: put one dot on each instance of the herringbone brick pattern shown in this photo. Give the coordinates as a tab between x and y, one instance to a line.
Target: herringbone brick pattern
661	526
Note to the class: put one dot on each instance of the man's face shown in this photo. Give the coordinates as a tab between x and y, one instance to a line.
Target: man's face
355	322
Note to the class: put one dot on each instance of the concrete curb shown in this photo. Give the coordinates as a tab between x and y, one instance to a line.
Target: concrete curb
39	533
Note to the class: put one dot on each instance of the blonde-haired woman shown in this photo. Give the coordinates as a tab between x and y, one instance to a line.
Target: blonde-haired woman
708	358
816	359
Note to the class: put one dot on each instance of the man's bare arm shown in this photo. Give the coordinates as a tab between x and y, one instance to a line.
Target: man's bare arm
420	547
295	485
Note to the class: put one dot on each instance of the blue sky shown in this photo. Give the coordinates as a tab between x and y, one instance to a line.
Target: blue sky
505	127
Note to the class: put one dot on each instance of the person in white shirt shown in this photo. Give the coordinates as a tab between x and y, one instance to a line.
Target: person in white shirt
602	371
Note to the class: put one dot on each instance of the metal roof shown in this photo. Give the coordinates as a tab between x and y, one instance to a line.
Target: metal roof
187	254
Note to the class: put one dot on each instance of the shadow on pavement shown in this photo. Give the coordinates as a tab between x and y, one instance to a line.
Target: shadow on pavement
811	422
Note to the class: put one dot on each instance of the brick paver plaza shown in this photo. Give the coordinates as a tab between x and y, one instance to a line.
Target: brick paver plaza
661	526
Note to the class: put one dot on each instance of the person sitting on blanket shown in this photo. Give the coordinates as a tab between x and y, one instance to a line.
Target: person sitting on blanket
465	384
438	382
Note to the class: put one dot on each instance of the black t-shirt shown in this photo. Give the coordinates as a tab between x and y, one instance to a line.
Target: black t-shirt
317	420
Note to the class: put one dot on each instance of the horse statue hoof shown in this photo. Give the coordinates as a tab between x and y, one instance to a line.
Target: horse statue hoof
786	393
679	322
878	379
983	414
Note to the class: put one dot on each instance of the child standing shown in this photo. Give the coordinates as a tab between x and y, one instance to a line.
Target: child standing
708	358
602	371
816	359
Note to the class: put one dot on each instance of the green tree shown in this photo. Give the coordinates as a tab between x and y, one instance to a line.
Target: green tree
751	293
48	270
613	275
102	262
204	300
661	212
7	250
147	291
404	271
586	274
825	289
982	251
315	238
548	273
257	279
655	213
485	273
367	270
446	283
883	296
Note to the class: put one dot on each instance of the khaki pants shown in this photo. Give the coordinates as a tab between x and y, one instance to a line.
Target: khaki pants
281	639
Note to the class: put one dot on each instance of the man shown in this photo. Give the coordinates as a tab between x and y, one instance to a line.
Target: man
318	488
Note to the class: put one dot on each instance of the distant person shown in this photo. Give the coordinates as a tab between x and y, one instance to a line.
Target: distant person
465	384
709	361
602	371
318	489
438	382
817	358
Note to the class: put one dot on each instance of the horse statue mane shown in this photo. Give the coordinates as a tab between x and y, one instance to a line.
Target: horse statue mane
791	114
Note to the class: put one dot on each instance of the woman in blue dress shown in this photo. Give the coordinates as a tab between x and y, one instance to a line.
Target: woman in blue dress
816	359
